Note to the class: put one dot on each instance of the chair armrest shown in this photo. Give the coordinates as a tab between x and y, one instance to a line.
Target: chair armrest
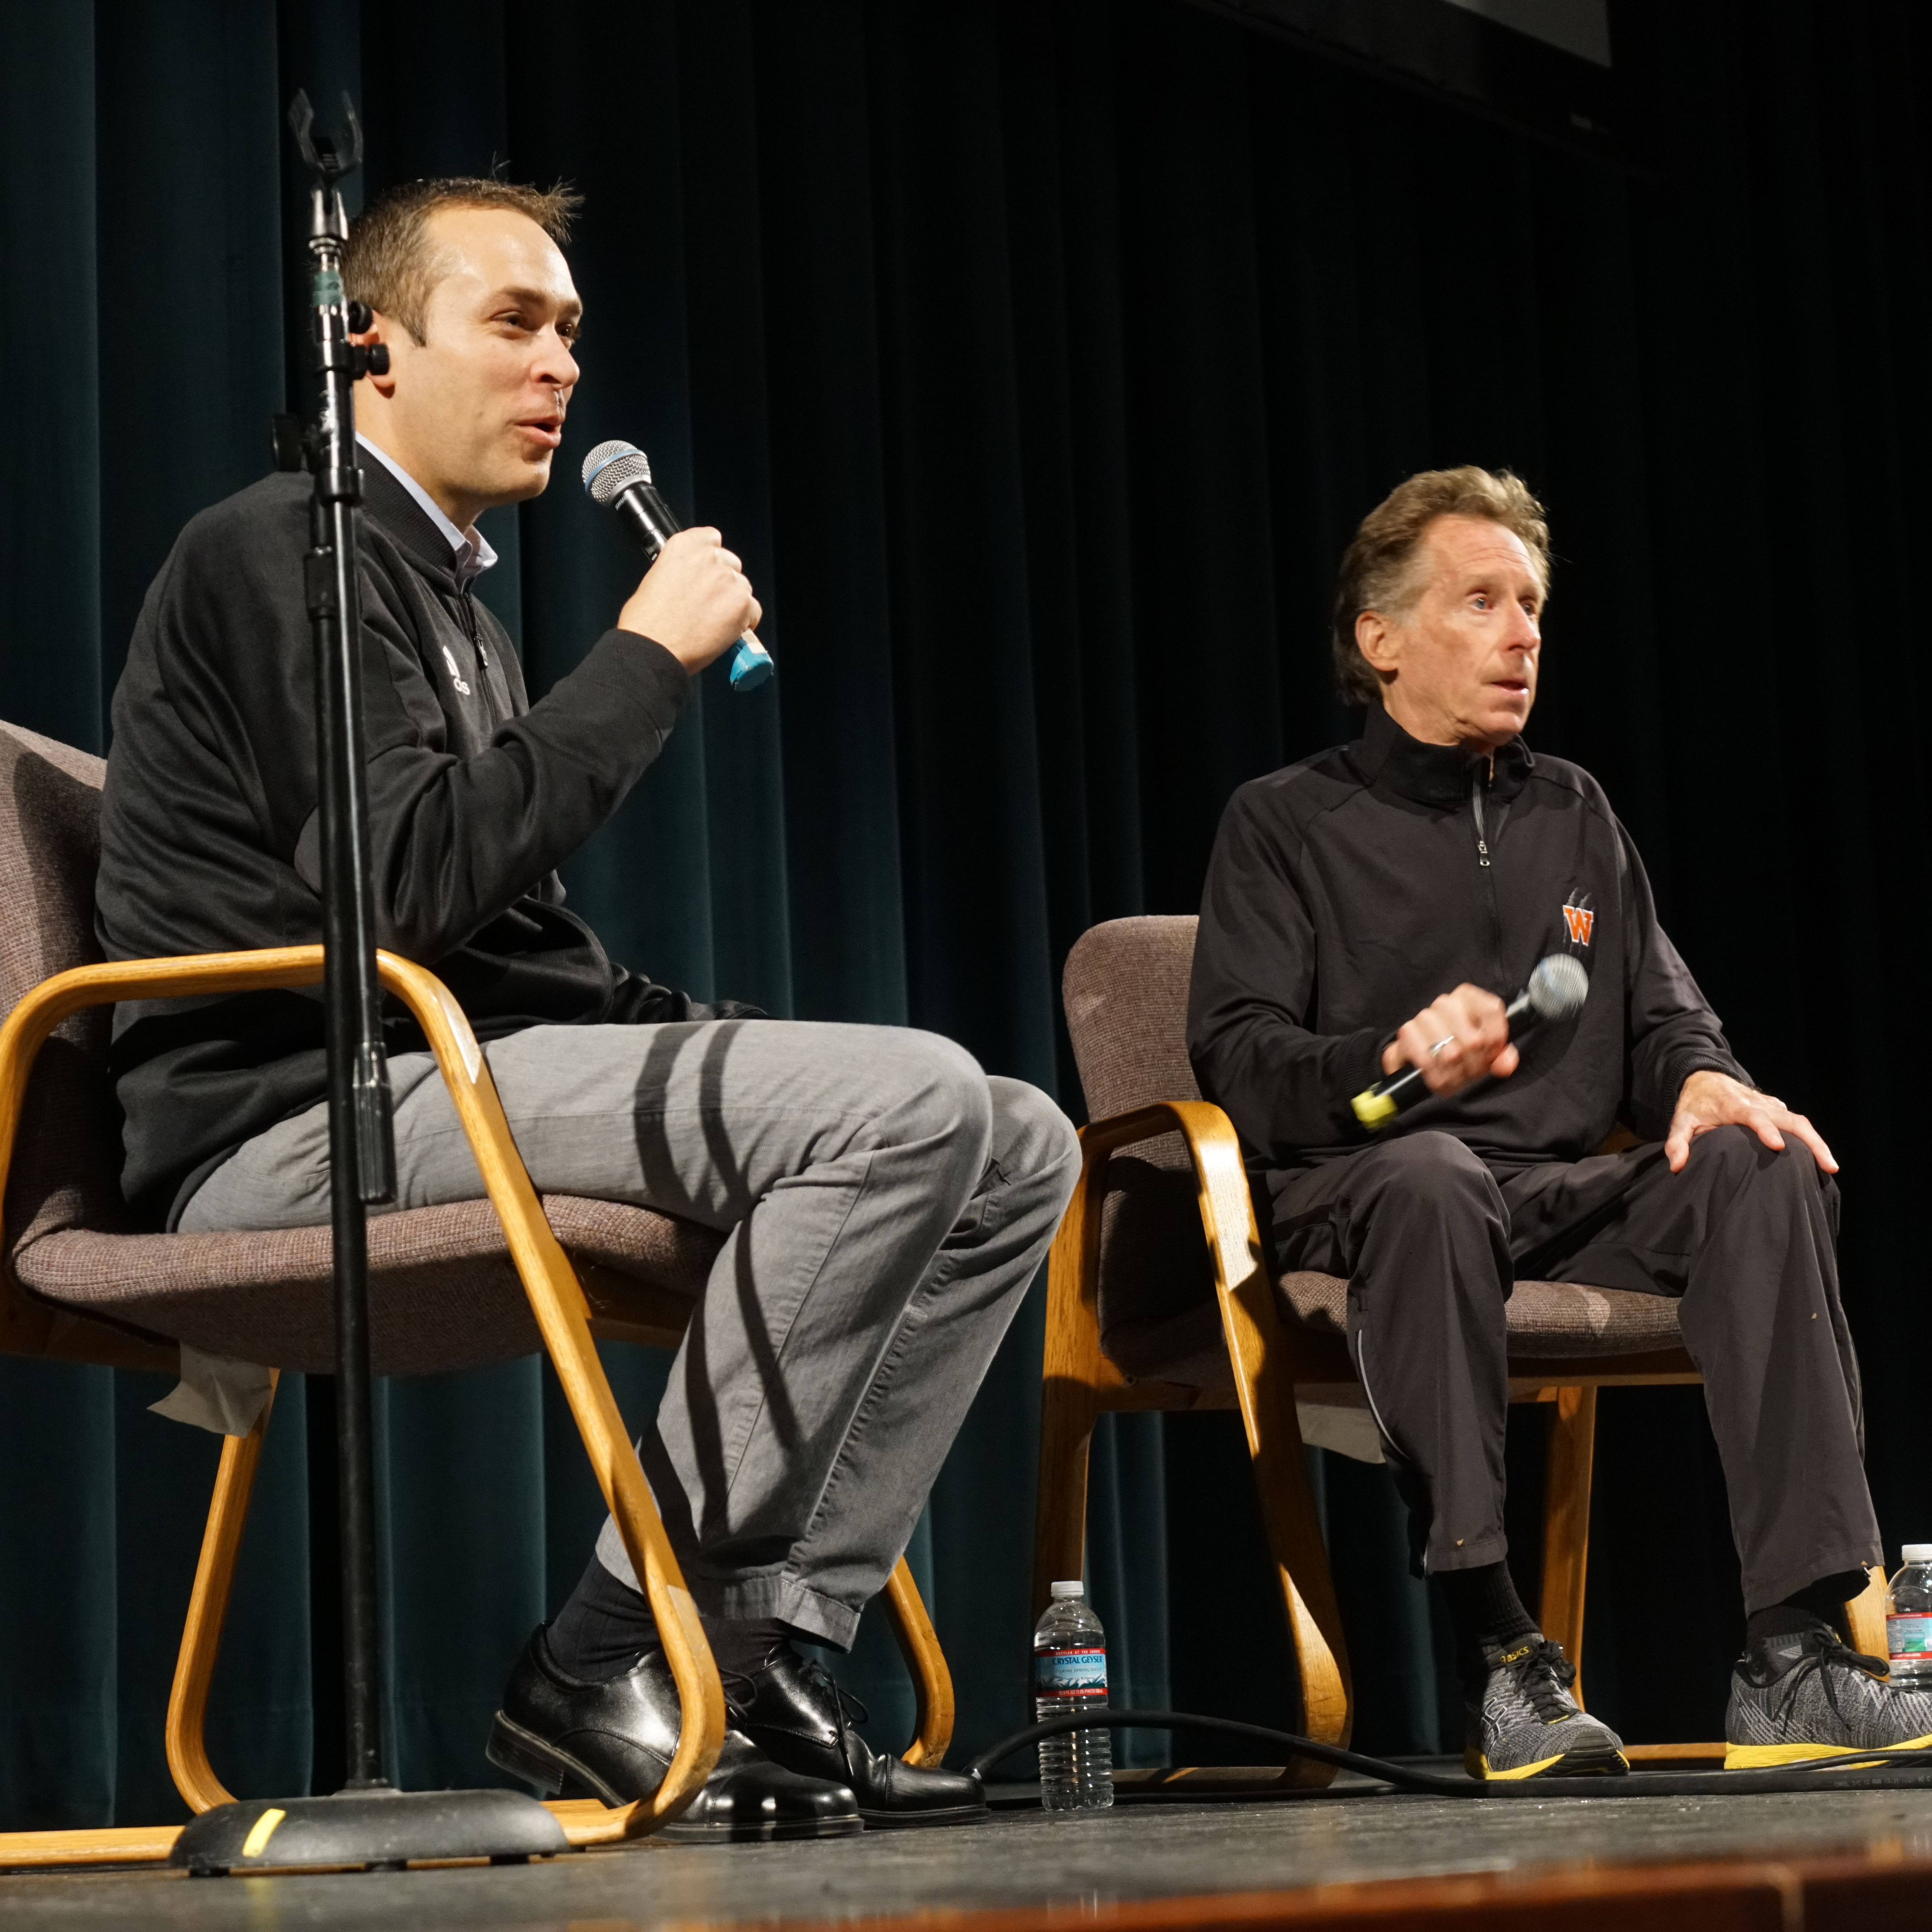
54	1000
1220	1179
34	1328
34	1018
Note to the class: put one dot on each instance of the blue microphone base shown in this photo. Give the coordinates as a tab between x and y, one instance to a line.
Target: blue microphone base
750	666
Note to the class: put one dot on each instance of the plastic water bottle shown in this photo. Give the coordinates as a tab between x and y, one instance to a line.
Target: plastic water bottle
1069	1673
1908	1619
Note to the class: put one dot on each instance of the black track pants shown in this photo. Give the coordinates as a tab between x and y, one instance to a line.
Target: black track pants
1431	1239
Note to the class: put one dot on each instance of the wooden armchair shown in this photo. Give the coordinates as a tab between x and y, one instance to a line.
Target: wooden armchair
450	1287
1161	1295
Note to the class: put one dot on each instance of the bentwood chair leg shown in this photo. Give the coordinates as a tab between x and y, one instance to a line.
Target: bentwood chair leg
1864	1615
1288	1516
931	1681
557	1302
1068	1402
207	1610
1307	1584
1566	1521
1258	1354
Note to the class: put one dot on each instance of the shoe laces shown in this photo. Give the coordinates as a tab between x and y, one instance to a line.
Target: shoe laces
740	1687
852	1712
739	1690
1543	1675
1825	1652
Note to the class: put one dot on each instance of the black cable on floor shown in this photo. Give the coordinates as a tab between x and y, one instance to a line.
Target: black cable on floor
1866	1770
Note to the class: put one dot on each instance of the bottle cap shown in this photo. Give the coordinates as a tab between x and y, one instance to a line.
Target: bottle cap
1912	1552
1075	1588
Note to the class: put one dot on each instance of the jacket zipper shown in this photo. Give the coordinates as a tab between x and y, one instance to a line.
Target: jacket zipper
466	614
1478	782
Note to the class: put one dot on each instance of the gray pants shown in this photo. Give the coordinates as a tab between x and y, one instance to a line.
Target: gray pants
885	1205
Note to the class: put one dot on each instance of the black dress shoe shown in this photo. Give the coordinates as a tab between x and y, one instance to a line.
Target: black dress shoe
795	1714
614	1742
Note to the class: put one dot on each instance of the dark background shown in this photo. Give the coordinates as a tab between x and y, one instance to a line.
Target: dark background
1039	358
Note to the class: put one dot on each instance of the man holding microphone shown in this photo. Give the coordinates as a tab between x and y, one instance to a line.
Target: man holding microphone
1435	852
885	1201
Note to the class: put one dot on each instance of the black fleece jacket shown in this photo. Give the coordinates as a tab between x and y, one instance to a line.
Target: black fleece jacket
210	831
1346	892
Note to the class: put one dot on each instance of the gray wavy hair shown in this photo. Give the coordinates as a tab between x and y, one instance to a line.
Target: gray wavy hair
1378	570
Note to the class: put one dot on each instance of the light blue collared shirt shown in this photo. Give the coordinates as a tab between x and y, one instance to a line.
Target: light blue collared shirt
472	559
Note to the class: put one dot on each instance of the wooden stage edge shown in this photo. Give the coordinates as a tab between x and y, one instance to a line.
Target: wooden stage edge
1817	1895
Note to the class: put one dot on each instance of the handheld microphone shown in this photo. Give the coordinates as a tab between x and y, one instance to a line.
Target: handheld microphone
1558	988
617	476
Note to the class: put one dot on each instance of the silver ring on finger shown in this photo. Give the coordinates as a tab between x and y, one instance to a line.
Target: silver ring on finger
1447	1040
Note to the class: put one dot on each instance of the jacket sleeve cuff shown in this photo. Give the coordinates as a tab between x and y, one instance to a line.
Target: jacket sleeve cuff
1312	1099
643	661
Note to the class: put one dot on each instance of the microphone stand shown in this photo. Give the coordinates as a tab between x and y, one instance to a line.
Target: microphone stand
361	1150
369	1823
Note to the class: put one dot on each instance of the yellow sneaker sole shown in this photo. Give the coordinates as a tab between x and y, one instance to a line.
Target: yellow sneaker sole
1763	1757
1476	1764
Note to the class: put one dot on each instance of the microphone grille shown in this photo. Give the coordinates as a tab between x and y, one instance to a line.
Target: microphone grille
611	468
1559	987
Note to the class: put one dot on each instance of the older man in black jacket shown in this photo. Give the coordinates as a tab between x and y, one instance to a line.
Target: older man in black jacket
1436	852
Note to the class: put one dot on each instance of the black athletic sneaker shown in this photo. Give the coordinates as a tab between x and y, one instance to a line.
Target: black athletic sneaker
1521	1721
1804	1694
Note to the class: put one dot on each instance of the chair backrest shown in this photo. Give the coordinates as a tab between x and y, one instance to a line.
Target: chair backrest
1126	992
67	1157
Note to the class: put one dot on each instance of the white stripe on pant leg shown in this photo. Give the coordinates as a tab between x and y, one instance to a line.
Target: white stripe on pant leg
1362	1374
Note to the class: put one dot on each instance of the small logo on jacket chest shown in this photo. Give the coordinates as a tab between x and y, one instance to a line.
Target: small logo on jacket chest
1579	918
455	670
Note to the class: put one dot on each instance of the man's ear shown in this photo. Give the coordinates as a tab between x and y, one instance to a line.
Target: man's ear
1379	641
384	329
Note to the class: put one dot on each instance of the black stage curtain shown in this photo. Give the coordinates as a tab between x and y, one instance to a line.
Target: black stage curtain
1039	358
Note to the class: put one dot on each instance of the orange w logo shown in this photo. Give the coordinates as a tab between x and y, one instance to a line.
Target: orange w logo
1579	919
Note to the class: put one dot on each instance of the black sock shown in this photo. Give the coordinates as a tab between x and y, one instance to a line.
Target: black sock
742	1647
1484	1608
606	1627
603	1630
1822	1602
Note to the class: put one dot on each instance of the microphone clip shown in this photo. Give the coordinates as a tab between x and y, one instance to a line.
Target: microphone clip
329	160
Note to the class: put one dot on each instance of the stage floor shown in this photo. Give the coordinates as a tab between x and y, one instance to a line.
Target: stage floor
1209	1861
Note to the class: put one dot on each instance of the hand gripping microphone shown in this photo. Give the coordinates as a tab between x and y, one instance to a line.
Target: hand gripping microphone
1557	988
618	477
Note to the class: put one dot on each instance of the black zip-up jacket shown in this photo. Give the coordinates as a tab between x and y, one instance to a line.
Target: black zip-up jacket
1347	892
210	836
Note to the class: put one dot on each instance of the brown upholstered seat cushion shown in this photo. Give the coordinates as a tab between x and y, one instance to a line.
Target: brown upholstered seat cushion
1547	1319
443	1294
1126	990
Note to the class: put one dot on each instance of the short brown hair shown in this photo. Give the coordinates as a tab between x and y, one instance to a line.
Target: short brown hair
389	263
1377	572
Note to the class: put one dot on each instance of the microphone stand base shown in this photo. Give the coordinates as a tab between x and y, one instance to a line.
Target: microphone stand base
373	1830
